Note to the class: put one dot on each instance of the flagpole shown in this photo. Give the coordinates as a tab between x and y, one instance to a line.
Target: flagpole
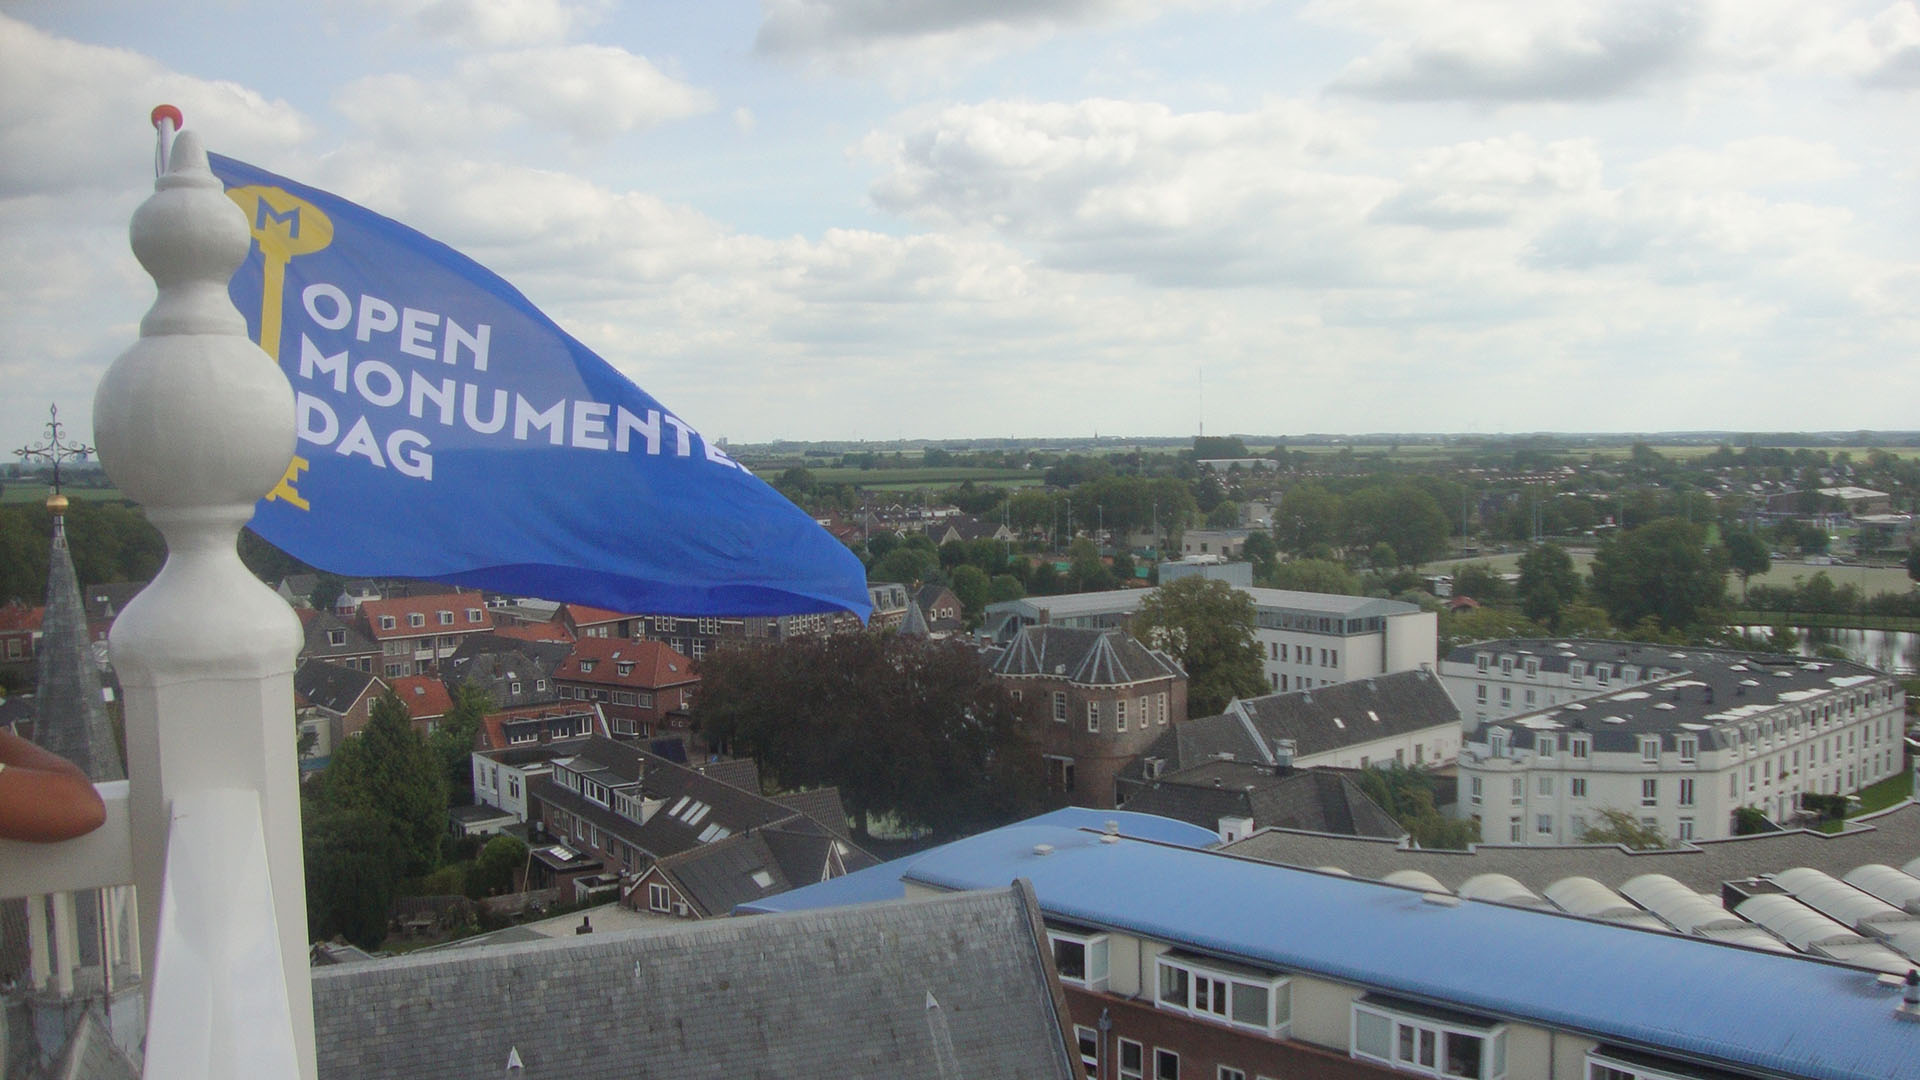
167	123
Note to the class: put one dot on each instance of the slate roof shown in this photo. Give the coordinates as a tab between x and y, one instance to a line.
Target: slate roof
1314	800
1346	714
496	672
331	686
72	719
1087	657
822	805
542	646
945	987
717	877
663	834
1703	692
743	773
108	599
915	622
322	626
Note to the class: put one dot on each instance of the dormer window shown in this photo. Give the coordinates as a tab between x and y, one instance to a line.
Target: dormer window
1481	661
416	619
513	687
473	614
1080	959
1497	743
386	622
1533	667
587	666
624	668
1650	750
336	637
446	618
1506	665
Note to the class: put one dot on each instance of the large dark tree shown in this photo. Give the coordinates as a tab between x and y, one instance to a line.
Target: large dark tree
1548	583
1747	554
1664	571
1207	625
388	770
919	730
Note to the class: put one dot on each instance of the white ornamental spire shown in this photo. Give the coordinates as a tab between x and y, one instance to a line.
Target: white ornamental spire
195	423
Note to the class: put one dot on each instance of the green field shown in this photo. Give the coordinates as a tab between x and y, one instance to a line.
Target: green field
33	491
1870	580
900	479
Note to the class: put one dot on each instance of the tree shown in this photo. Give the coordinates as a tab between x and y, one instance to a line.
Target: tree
1662	570
1548	583
1225	515
973	588
1315	575
351	866
1308	517
920	730
1261	552
497	868
453	739
1087	573
1401	515
1208	626
1215	447
326	589
1746	553
1480	582
1617	826
389	771
1407	794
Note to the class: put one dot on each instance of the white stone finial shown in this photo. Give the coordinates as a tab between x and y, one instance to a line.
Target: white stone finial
196	423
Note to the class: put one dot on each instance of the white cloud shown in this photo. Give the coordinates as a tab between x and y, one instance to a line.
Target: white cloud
76	117
1134	187
1486	182
907	35
1492	51
495	23
591	93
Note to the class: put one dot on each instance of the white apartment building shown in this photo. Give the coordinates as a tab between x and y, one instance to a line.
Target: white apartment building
1679	738
1306	639
1318	639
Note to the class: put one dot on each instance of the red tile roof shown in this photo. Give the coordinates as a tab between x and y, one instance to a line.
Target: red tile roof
18	617
458	605
582	615
424	695
653	664
534	632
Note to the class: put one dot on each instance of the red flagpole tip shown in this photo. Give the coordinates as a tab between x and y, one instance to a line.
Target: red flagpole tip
167	112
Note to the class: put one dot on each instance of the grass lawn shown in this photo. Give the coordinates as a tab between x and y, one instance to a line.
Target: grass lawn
33	491
1885	793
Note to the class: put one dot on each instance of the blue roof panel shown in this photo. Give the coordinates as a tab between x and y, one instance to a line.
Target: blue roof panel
1679	995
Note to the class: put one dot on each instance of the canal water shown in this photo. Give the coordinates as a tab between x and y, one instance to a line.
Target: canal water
1893	651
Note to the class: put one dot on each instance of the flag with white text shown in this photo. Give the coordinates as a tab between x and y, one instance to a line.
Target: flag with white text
450	431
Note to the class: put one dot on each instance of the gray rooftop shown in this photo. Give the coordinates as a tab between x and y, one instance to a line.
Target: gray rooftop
1318	721
1670	691
71	712
1891	838
1084	656
956	985
1314	800
1327	603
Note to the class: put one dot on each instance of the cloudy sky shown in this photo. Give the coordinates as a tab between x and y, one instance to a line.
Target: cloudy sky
836	219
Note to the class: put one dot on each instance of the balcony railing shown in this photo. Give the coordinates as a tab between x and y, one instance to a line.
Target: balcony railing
216	996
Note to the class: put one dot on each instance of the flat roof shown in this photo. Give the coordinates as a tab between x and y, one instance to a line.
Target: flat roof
1695	999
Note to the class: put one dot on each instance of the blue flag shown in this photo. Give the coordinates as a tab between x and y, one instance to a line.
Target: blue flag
450	431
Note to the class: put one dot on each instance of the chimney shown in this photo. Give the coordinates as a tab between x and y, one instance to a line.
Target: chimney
1283	755
1910	997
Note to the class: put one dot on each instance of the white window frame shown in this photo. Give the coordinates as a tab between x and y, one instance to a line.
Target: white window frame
1602	1067
1577	787
1083	1038
446	618
1204	984
1650	791
1093	718
1120	714
659	897
1060	706
1689	749
1580	747
1138	1070
1095	952
416	619
1493	1038
1649	749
